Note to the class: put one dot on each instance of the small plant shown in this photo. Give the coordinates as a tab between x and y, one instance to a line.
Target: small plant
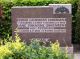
35	50
13	50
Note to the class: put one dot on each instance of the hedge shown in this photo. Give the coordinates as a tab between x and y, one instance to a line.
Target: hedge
5	20
77	28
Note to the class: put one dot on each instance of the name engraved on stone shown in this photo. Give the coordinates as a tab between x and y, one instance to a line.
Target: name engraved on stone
41	25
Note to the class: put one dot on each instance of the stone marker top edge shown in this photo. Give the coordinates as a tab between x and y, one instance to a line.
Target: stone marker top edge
61	4
41	6
30	6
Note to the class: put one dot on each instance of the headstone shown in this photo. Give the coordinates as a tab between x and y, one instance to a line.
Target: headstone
49	23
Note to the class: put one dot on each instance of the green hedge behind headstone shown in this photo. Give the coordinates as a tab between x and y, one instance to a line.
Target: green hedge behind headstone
77	28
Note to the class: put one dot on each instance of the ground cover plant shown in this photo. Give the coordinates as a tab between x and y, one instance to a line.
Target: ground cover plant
35	50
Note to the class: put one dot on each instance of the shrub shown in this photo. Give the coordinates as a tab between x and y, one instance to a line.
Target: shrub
35	50
13	50
77	30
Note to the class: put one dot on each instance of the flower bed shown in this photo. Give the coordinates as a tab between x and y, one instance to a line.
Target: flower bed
35	50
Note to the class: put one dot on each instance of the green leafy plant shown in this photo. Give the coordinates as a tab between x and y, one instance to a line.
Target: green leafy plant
13	50
35	50
77	28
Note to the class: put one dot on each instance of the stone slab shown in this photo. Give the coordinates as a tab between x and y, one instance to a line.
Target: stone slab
48	23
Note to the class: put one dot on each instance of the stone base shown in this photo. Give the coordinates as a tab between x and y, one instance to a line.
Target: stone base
70	49
76	48
77	56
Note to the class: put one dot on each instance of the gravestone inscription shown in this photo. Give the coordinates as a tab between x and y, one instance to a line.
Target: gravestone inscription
48	23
